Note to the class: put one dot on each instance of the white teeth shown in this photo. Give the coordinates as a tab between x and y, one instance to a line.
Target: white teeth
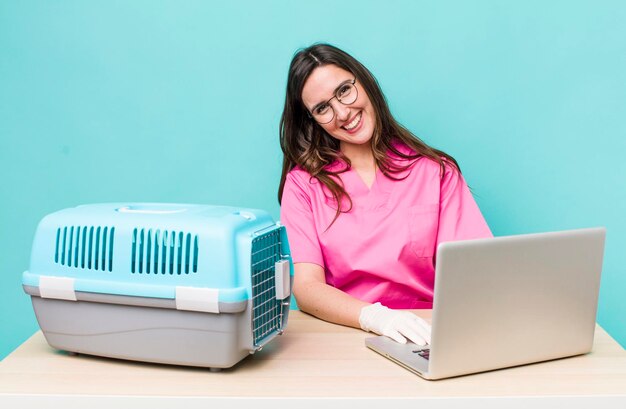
354	123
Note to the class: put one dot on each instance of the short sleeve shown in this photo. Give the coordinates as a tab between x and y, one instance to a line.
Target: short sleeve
459	215
296	214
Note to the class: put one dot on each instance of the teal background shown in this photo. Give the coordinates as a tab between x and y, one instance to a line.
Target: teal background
180	101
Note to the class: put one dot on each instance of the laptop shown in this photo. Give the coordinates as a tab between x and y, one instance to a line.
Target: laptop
507	301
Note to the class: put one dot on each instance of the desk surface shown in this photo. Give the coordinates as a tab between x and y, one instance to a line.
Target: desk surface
312	358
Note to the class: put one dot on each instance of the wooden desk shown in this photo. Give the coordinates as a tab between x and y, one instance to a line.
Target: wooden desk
313	360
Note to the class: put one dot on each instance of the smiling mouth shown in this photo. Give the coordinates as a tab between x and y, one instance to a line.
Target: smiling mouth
354	123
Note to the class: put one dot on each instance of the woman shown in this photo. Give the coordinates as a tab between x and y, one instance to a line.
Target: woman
364	201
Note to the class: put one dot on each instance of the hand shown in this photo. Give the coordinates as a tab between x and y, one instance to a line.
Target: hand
397	325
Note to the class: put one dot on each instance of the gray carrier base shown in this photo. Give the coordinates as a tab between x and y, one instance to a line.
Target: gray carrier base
146	329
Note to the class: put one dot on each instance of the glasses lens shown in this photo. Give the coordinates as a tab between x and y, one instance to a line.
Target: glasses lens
347	94
324	115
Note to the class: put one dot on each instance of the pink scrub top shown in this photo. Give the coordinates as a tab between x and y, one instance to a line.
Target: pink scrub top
383	250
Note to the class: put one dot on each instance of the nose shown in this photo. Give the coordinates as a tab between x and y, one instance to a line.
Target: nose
341	111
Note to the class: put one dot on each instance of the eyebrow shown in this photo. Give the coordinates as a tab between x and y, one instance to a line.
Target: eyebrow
334	94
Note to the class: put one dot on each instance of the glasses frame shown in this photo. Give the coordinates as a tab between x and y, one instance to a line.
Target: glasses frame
351	82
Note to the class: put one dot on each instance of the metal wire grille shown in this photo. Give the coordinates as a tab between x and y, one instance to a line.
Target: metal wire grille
267	311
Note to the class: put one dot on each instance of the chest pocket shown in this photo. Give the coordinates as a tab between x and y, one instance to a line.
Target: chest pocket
423	225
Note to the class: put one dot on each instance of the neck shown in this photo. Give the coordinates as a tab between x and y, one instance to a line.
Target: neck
361	156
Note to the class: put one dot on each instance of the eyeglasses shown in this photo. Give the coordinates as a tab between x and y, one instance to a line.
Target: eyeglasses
346	93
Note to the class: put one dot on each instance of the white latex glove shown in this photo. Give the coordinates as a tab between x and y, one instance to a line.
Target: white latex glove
397	325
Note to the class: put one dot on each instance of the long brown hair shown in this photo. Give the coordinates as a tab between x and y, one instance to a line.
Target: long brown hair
305	143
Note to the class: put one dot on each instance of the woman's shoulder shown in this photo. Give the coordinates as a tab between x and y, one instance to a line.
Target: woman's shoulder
401	152
300	178
298	175
297	172
402	147
337	166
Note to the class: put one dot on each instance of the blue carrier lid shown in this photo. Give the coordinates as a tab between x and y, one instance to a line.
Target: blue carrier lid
185	252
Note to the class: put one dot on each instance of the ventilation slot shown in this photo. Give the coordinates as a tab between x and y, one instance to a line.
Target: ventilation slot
163	252
86	247
266	309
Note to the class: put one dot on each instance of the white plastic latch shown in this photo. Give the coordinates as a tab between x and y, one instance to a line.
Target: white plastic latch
197	299
60	288
283	284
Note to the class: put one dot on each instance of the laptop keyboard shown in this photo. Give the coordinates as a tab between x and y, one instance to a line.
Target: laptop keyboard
424	353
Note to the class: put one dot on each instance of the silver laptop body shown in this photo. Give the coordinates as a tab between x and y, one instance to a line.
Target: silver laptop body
508	301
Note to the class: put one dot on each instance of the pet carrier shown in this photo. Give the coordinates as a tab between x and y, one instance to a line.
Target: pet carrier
178	284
